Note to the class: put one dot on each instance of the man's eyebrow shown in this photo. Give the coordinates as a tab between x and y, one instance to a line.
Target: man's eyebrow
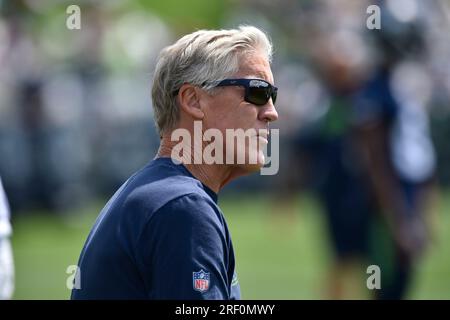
258	75
262	76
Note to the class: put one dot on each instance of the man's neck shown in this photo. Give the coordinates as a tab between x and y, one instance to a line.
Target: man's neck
214	176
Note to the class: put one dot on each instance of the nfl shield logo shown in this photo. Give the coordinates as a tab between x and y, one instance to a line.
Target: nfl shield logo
201	281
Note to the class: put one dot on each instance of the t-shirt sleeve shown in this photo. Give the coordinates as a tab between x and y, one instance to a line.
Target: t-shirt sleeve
183	251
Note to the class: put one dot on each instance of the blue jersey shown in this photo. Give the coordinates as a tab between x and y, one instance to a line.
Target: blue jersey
161	236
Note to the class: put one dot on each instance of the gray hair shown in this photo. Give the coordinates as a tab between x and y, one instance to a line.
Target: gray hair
205	56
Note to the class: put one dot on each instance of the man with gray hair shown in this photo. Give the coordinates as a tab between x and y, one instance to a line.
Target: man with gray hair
162	235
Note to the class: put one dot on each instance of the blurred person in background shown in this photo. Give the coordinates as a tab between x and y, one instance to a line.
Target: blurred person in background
398	156
343	63
370	156
6	256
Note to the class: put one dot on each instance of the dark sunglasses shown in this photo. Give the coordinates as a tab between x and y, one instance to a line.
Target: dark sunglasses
257	91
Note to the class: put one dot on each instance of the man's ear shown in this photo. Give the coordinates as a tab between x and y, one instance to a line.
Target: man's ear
189	100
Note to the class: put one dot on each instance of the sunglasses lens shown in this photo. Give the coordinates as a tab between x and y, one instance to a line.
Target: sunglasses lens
274	96
258	96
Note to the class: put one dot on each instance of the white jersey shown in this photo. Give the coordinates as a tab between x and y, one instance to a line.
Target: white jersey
5	226
413	152
412	149
6	257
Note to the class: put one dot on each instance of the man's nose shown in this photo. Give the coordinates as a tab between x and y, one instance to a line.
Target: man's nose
268	113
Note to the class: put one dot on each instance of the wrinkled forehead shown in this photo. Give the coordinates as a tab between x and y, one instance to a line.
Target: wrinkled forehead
255	65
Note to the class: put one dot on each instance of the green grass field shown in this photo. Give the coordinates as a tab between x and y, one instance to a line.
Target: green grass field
279	256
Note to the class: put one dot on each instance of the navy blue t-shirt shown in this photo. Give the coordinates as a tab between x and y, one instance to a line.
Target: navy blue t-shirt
161	236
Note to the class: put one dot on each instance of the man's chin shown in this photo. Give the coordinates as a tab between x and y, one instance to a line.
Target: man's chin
253	166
